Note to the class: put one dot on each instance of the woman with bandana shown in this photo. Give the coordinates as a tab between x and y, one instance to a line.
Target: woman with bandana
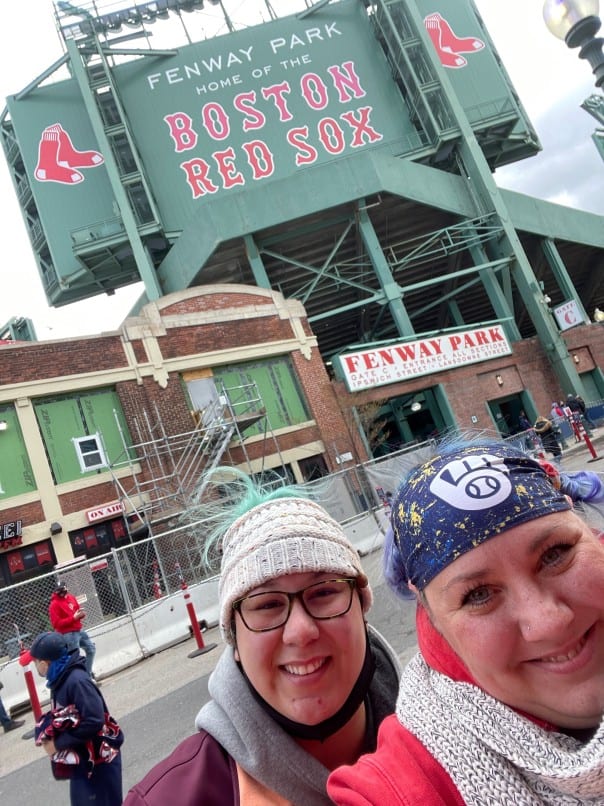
303	683
504	702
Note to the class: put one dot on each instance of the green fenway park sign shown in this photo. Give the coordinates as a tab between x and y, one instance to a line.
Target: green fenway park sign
267	104
263	104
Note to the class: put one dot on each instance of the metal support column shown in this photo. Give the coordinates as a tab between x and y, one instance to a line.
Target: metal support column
256	263
144	265
391	289
488	196
561	274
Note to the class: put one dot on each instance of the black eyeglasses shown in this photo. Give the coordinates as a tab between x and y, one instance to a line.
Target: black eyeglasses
271	609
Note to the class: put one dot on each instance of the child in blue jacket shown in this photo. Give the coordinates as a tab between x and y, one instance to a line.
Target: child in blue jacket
78	733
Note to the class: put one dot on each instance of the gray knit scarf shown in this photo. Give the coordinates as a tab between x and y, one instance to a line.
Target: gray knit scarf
494	755
263	749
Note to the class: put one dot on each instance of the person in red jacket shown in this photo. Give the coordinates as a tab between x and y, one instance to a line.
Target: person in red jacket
66	617
504	702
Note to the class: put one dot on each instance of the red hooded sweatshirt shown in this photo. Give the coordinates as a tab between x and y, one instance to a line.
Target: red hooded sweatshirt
61	612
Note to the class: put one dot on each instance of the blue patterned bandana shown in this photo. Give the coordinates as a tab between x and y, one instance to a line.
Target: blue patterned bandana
466	495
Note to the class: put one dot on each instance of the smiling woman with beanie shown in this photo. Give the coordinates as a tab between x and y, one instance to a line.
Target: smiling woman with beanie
504	702
303	683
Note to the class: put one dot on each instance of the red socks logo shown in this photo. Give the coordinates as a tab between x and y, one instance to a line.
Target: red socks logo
58	160
447	44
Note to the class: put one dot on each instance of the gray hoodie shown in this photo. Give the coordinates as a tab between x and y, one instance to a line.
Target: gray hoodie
263	749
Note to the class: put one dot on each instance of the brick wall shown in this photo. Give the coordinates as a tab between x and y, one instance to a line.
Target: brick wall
87	498
37	361
324	408
181	341
28	513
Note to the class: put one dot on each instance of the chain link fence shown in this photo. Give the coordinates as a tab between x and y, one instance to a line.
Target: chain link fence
131	580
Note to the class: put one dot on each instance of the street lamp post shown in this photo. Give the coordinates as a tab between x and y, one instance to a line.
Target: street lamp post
577	22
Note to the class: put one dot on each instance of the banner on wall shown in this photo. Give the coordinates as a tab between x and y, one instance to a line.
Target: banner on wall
11	534
105	511
569	315
379	366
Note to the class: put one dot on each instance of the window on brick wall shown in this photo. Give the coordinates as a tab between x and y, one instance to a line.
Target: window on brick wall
90	453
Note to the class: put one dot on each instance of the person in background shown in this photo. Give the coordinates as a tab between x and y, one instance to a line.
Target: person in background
504	702
6	721
525	425
578	410
544	428
303	683
556	410
82	740
584	412
66	617
556	416
523	421
572	420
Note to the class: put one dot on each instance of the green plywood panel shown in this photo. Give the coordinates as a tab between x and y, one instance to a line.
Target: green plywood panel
61	420
275	384
100	411
66	171
16	475
260	105
291	397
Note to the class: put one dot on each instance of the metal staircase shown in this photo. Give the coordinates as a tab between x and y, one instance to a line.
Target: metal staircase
164	470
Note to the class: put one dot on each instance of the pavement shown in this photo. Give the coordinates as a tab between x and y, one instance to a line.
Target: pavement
577	456
138	686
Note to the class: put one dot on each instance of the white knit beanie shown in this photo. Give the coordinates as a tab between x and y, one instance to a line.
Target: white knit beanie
278	537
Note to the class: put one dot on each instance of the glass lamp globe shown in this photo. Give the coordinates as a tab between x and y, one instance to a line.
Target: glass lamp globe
562	15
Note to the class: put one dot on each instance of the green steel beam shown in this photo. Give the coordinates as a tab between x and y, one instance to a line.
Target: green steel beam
496	295
255	261
377	297
454	312
561	274
37	81
551	220
342	182
141	256
391	289
489	199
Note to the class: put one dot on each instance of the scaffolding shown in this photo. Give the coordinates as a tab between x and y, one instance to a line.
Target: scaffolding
166	471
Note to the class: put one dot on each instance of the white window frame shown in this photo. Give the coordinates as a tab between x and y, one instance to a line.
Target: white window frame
90	458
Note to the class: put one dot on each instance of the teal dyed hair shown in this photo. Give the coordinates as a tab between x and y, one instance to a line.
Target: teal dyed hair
225	494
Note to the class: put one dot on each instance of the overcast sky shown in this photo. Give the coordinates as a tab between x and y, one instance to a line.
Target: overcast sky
550	79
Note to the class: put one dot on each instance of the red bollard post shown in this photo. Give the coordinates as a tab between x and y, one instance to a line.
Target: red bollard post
201	647
590	447
25	660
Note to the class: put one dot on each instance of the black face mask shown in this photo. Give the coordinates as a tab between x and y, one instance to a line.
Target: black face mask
333	723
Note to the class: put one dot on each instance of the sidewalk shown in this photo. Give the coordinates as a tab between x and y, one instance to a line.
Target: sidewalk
578	457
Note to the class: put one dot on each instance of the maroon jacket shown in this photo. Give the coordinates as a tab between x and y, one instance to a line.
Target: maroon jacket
198	771
61	613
